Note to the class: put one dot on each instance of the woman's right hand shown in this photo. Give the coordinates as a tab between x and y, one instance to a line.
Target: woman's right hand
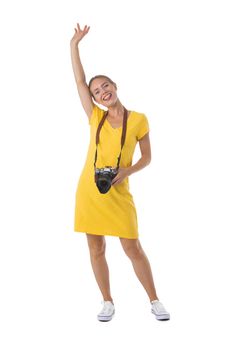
79	34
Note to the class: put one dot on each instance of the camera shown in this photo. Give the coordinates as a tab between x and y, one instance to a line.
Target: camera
104	177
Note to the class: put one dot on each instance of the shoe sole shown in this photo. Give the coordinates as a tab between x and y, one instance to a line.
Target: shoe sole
105	318
161	317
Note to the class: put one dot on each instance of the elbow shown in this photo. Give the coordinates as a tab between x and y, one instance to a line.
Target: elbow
147	160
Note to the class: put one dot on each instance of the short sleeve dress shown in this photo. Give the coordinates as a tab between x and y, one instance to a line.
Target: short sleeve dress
114	212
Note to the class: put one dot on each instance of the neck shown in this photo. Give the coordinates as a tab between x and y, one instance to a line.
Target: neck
116	110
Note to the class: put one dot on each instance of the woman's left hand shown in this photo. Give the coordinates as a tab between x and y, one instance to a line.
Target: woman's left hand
121	175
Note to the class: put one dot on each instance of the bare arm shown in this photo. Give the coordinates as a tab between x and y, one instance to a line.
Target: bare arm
80	78
145	159
76	63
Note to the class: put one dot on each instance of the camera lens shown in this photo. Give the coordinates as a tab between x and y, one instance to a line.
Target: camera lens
103	184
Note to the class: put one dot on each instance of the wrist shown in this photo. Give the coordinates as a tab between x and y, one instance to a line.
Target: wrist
74	44
130	170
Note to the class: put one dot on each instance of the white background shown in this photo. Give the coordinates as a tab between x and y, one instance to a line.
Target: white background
171	60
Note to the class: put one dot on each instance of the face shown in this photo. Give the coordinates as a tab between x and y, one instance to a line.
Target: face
103	91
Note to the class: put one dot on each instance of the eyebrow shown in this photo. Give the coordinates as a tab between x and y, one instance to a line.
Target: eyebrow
101	85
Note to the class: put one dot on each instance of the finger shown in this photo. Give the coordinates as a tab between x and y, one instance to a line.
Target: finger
116	181
86	29
78	26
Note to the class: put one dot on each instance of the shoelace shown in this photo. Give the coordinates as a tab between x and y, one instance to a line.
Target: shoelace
159	307
106	308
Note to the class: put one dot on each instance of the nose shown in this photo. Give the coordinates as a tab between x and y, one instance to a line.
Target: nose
105	89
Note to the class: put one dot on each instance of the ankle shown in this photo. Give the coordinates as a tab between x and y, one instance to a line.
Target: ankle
154	299
108	299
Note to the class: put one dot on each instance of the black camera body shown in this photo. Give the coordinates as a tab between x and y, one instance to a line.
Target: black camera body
104	177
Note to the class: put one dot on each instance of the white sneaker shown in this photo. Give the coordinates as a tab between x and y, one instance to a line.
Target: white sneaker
107	312
159	310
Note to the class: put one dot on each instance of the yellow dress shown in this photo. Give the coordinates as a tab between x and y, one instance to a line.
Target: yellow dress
114	212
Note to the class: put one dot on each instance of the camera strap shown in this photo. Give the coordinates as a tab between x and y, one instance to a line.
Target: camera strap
123	135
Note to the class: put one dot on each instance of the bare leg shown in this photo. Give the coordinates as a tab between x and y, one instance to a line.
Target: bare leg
141	265
97	245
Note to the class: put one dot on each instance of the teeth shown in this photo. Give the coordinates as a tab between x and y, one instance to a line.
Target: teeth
107	97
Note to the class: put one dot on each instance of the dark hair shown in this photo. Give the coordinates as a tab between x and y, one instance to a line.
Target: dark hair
99	76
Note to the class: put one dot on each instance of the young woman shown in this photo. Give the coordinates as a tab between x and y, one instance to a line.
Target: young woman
111	212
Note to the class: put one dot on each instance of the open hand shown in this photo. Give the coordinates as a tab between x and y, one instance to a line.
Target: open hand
79	34
121	175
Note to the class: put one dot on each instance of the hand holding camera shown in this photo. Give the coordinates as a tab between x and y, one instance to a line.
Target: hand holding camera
121	175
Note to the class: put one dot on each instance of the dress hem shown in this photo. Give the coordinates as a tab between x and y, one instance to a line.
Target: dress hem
106	234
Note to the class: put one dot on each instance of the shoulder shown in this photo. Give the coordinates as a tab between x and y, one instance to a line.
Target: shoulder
141	124
139	117
96	114
97	110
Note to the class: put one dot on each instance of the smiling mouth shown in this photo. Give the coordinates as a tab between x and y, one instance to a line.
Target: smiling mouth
107	97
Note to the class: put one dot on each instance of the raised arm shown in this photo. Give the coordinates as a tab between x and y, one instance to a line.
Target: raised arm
79	74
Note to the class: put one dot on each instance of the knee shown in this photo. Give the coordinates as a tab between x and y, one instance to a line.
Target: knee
133	251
